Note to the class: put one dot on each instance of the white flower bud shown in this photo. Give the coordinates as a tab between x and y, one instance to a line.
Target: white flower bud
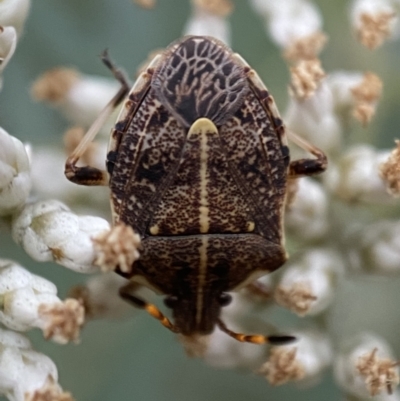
29	301
204	23
49	231
365	367
24	373
289	20
315	120
303	360
8	43
15	181
13	13
356	177
80	98
307	284
306	218
376	248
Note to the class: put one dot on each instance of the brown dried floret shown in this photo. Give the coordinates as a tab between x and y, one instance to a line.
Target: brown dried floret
51	391
117	247
63	320
221	8
366	95
148	4
306	77
379	373
373	29
298	297
306	47
54	85
282	366
390	171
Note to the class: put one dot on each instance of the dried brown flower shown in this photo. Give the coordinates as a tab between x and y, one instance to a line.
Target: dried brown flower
54	84
306	48
221	8
282	366
64	320
373	29
306	77
390	171
148	4
117	247
298	298
366	95
380	373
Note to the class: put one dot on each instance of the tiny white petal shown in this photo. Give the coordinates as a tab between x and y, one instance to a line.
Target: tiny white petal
13	13
15	181
8	43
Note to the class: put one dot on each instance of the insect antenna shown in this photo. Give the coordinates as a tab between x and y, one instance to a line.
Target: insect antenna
255	338
149	308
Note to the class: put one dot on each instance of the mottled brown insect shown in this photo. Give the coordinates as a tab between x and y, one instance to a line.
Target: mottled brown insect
198	165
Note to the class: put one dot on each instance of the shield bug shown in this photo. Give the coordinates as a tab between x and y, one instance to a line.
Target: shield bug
198	165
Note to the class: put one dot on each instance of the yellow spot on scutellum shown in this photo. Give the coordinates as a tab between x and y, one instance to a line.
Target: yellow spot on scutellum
250	226
374	28
305	48
390	171
118	247
282	366
380	374
222	8
54	85
154	230
366	95
306	78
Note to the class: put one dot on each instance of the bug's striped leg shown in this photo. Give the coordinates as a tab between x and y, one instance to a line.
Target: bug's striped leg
255	338
87	175
125	293
304	167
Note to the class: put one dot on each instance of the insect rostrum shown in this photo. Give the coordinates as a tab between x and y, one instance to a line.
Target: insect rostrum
198	165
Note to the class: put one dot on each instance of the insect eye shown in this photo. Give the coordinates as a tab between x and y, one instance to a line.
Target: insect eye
224	299
171	301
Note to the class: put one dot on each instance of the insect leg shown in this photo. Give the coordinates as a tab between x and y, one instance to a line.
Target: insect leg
255	338
303	167
125	293
88	175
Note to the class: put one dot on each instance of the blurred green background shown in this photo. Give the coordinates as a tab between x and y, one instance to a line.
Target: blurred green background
138	359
